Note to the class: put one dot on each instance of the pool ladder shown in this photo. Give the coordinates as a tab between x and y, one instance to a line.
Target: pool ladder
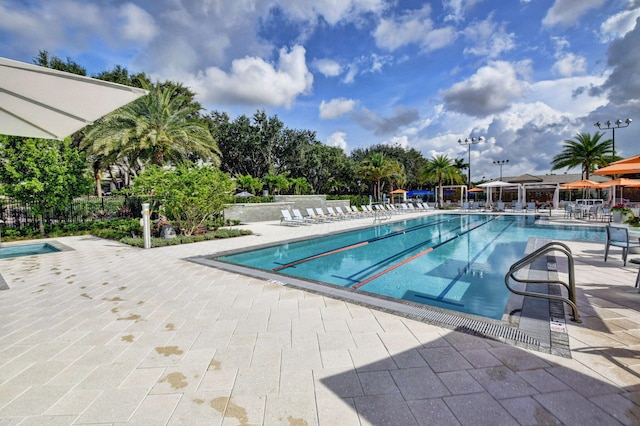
532	257
380	215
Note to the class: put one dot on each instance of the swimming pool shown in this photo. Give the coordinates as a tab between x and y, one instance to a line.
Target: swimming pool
454	262
26	250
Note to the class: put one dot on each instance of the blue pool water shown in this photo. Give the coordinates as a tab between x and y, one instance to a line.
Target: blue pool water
26	250
451	261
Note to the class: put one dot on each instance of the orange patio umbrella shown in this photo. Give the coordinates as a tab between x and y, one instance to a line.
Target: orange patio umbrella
622	183
627	166
476	189
580	184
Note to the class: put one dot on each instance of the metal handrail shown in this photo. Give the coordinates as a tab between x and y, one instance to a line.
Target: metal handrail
380	215
530	258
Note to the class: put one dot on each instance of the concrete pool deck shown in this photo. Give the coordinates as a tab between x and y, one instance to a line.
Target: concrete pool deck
111	334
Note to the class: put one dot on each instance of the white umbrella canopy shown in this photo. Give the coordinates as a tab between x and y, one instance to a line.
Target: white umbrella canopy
496	183
39	102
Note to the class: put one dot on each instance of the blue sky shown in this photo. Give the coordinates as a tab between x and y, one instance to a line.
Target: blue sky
524	74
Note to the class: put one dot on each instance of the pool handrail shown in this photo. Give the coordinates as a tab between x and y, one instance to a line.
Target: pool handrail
530	258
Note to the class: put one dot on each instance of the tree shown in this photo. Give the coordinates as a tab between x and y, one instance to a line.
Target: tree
45	174
585	151
188	195
276	182
441	169
411	159
249	183
161	127
377	167
45	60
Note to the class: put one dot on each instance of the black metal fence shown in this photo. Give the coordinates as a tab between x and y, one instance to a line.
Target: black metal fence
19	215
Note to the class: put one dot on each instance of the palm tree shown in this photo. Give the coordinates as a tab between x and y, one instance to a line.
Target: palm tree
441	169
585	151
158	127
377	167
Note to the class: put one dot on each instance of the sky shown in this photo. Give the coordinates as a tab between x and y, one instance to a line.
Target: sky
523	74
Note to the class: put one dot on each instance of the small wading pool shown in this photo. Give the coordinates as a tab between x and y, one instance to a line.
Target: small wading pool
26	250
455	262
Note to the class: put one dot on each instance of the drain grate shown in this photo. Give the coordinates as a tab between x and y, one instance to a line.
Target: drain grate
483	328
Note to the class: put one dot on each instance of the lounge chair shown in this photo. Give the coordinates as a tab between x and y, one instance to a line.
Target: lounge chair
466	206
531	207
298	216
315	216
347	215
333	213
287	219
518	207
500	206
618	237
324	215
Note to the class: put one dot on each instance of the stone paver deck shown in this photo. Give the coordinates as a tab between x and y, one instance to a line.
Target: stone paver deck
111	334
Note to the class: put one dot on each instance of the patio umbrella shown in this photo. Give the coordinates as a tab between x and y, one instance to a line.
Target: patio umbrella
476	190
580	184
40	102
626	166
496	184
622	183
244	194
399	191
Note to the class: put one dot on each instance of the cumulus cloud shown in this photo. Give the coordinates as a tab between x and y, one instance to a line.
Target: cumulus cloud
137	25
331	11
413	27
252	80
336	108
327	67
623	84
488	39
400	117
491	89
338	139
568	12
619	24
569	64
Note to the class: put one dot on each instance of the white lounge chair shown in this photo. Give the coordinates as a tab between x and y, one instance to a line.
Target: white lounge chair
298	216
333	213
287	219
315	216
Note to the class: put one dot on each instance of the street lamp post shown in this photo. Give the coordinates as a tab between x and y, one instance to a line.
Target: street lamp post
501	163
613	126
468	142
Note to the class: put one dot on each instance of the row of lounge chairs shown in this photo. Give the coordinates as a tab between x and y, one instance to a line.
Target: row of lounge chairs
328	214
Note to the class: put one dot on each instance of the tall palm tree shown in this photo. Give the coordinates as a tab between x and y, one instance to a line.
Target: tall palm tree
160	127
441	169
585	151
377	167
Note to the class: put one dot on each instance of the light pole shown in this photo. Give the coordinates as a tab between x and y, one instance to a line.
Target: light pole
501	163
468	142
613	127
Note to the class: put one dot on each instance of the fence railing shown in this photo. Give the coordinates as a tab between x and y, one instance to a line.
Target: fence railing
19	215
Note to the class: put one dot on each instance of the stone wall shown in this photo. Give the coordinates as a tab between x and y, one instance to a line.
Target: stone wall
260	212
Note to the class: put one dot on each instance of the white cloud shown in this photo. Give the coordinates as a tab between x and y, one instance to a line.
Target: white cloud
569	64
333	11
328	67
138	25
490	90
457	9
255	81
414	27
619	24
338	139
568	12
336	107
488	39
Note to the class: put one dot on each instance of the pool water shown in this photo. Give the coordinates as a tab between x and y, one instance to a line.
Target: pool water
451	261
26	250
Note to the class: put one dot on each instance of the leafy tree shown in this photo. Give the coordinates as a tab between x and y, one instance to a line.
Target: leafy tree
376	168
299	186
326	168
248	183
45	174
441	169
51	61
160	127
411	159
585	151
189	195
276	182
